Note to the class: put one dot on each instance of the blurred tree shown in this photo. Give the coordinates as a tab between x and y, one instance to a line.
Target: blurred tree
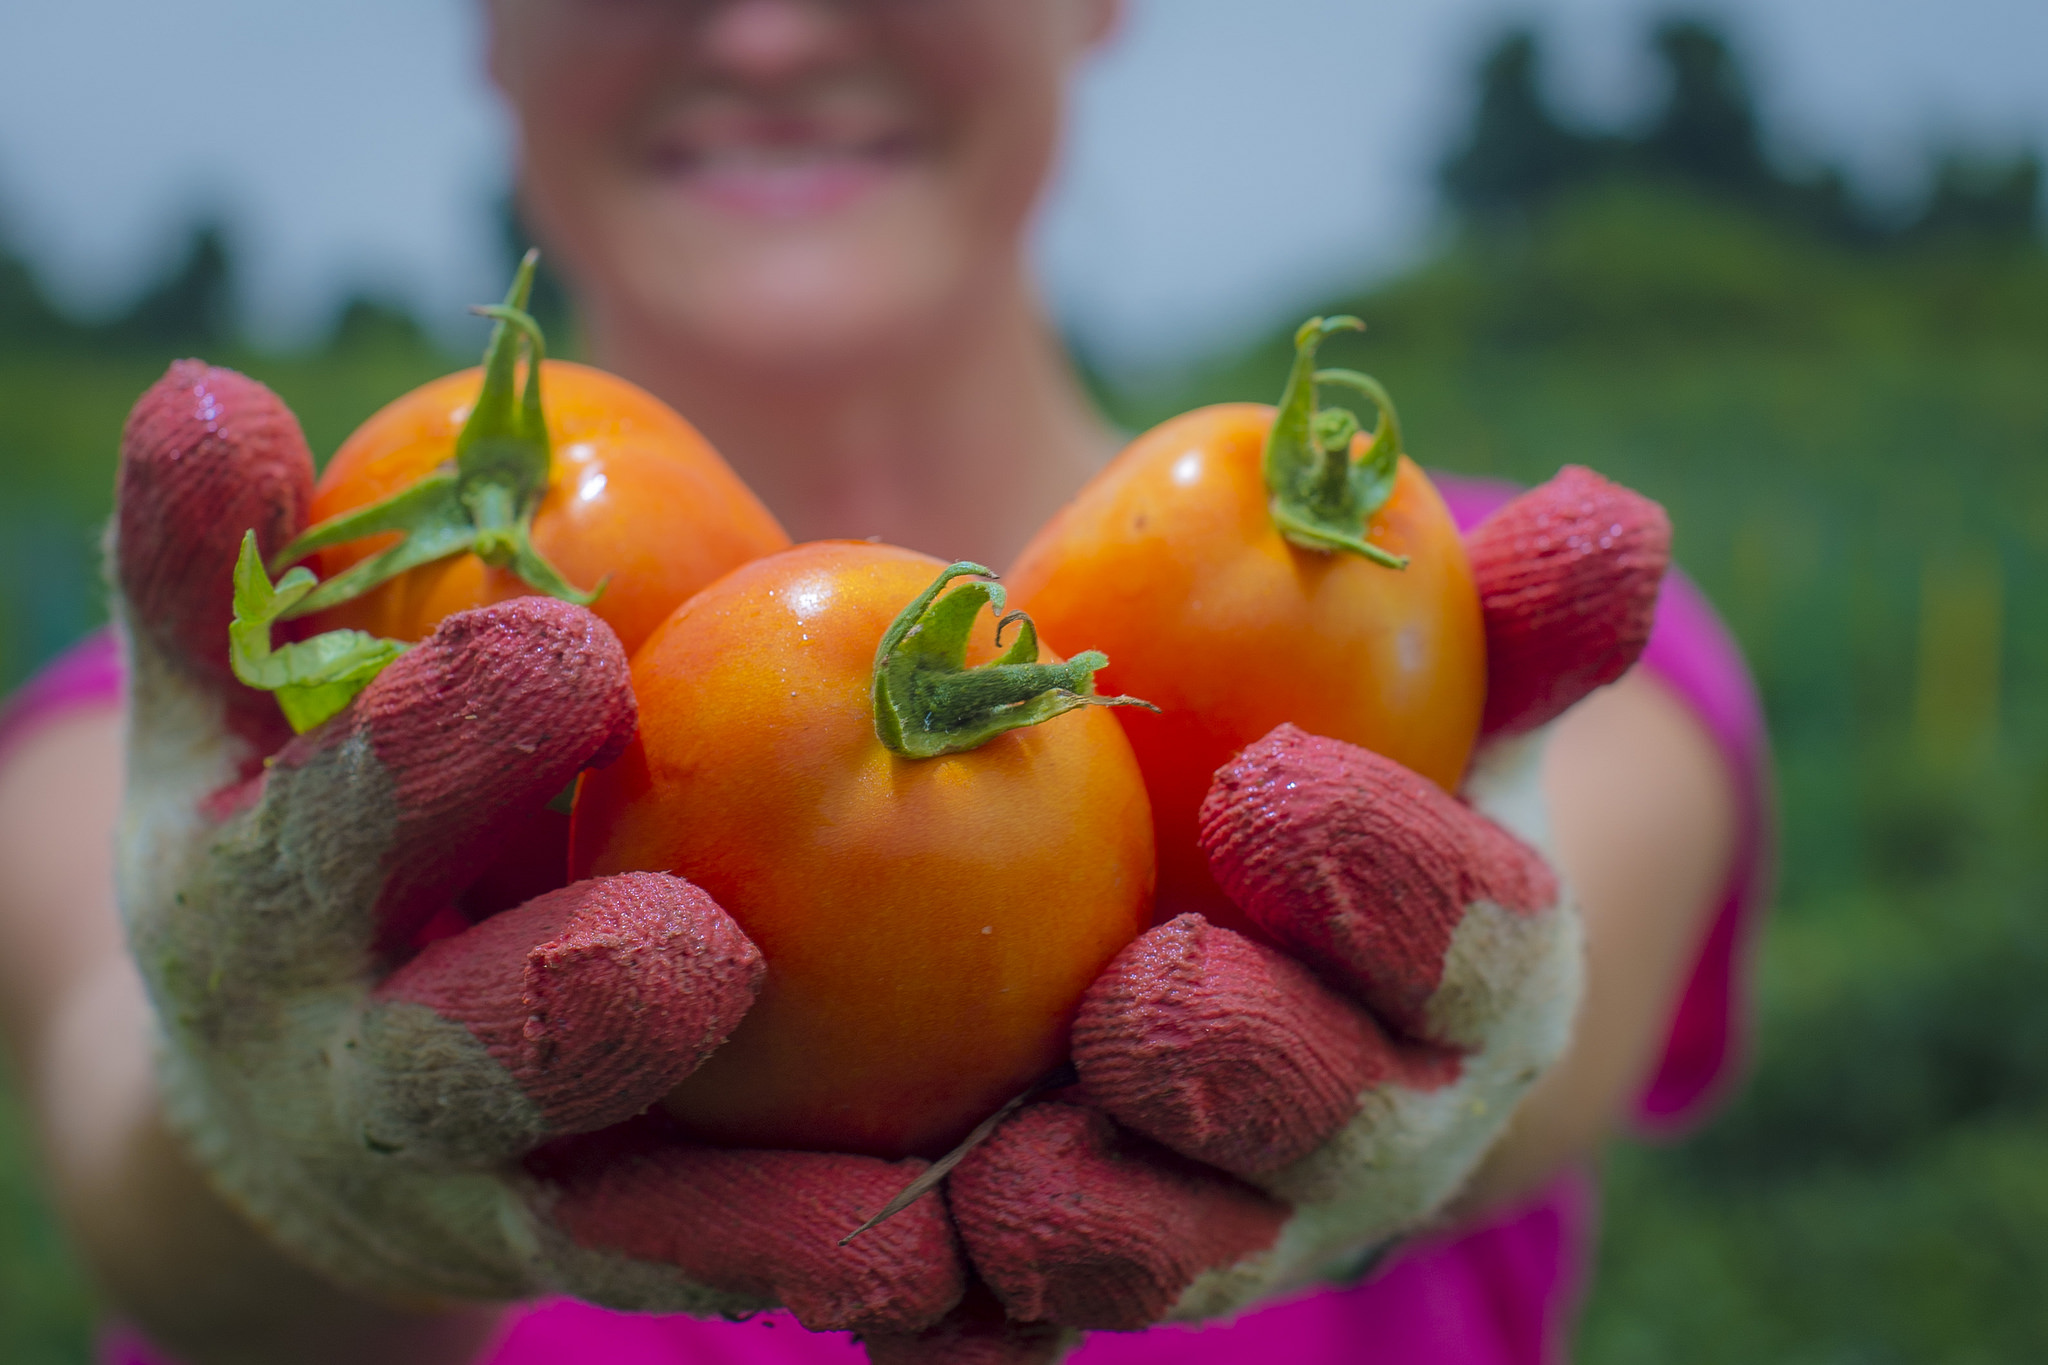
1519	155
368	323
1707	131
27	319
192	307
1706	136
1982	197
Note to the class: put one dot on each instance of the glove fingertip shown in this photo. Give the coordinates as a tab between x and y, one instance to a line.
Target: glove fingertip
1225	1050
1361	868
1069	1221
207	454
1568	576
766	1226
455	745
594	1000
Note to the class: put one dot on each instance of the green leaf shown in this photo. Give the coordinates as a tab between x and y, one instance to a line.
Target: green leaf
313	679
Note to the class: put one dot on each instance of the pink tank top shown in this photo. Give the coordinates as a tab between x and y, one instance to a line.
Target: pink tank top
1501	1294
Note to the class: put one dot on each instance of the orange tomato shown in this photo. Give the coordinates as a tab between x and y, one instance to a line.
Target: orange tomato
1170	563
634	493
929	924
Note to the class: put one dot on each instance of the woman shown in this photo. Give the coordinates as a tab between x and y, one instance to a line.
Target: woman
802	223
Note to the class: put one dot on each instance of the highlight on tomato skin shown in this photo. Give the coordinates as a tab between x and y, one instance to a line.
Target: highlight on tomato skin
1171	563
929	924
637	499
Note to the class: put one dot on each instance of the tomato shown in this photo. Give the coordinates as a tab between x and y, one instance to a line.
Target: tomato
1170	561
635	497
929	924
487	485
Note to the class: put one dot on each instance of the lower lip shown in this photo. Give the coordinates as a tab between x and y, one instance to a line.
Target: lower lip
785	192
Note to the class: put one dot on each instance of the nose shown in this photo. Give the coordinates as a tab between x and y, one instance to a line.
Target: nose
771	41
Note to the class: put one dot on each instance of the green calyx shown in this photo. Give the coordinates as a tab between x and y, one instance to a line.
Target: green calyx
483	502
1321	498
313	678
928	702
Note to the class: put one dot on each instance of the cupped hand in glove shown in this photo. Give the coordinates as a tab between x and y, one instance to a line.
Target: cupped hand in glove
1257	1111
444	1121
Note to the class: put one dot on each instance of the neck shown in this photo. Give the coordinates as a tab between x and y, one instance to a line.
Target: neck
960	448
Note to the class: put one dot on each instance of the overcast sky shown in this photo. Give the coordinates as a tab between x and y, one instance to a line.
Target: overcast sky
357	145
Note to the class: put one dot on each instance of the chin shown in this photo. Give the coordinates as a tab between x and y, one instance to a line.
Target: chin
815	305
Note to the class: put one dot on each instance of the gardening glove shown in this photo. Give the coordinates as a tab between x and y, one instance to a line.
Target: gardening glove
445	1121
1257	1113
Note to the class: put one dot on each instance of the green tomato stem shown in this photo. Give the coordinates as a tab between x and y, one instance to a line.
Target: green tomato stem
928	702
1320	498
483	502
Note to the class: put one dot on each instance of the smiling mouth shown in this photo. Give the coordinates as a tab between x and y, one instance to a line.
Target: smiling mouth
782	177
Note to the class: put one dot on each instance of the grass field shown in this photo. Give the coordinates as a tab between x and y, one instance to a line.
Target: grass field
1853	443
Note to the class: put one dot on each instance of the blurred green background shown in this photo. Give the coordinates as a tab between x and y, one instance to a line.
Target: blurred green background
1847	416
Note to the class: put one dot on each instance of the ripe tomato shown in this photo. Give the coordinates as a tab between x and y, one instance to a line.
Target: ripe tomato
634	493
929	923
1170	562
